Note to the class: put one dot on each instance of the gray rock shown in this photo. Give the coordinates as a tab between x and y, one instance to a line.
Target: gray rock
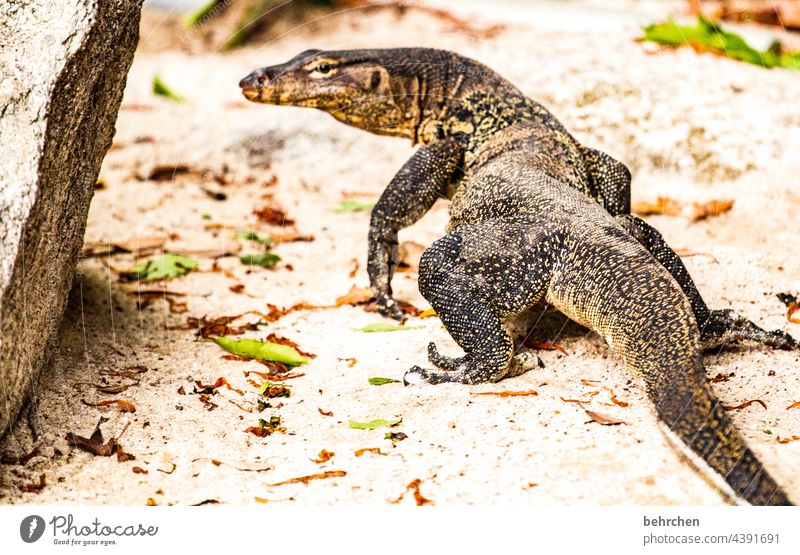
63	66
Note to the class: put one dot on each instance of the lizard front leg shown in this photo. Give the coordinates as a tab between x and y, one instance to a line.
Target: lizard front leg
411	193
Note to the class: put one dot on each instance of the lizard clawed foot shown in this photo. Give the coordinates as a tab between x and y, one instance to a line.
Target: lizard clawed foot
523	362
389	308
726	326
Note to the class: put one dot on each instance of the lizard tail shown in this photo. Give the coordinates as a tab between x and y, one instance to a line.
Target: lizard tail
696	419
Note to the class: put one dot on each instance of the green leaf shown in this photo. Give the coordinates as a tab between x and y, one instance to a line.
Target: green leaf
374	424
383	326
265	259
260	350
382	381
202	14
267	384
248	235
161	89
710	35
347	206
273	422
165	266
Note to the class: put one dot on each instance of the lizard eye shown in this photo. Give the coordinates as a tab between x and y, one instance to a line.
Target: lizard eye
324	67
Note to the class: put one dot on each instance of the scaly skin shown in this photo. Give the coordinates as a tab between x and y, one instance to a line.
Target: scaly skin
534	216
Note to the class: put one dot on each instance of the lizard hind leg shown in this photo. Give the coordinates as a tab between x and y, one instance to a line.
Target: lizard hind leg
463	287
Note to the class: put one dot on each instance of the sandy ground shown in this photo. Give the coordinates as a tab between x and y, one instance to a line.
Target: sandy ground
691	127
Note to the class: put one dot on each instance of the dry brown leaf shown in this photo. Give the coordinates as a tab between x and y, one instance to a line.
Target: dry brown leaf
548	347
353	268
373	450
788	439
350	361
323	456
289	343
614	398
746	404
307	479
95	444
34	487
139	470
418	497
122	404
356	295
603	419
325	412
528	393
409	254
278	238
703	210
260	500
244	467
790	313
273	215
138	246
221	381
794	405
21	460
720	378
664	205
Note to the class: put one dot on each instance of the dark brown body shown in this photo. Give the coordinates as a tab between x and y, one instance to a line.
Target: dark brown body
534	215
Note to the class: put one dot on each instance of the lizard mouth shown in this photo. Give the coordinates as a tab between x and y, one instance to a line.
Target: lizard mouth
252	87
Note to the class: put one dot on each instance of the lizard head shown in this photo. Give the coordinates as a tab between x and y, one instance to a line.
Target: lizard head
358	87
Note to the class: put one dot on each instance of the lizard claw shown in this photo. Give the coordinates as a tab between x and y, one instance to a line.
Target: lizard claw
387	307
416	376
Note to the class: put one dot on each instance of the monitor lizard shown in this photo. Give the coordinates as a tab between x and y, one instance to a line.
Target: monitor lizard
534	216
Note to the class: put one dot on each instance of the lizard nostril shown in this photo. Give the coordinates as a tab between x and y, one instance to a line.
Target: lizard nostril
249	82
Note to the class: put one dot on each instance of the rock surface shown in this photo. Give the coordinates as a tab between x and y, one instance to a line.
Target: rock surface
63	67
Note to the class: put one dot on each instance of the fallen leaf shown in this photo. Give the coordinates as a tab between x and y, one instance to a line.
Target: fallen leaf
418	497
289	343
603	419
374	424
720	378
122	404
167	266
409	254
271	390
746	404
348	206
221	381
787	439
323	456
151	502
382	381
260	500
354	268
34	487
273	216
161	89
21	460
528	393
614	398
306	479
664	205
325	412
138	470
373	450
794	405
548	347
95	443
356	295
259	350
701	211
290	237
265	259
350	361
244	467
138	246
385	327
